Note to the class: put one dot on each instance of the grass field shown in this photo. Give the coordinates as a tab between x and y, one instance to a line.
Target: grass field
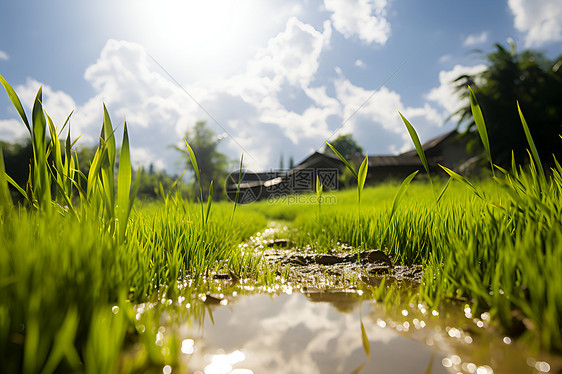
78	254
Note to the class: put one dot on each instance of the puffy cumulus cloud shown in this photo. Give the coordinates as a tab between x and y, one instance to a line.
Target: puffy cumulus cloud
372	117
475	39
4	56
248	106
288	64
540	20
291	56
445	95
365	19
157	111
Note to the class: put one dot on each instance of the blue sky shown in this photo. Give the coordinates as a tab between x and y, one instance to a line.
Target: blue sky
269	77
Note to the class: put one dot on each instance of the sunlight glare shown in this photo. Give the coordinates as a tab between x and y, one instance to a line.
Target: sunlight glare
200	31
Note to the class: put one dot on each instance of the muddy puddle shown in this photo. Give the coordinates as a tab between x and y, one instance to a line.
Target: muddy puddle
322	316
332	331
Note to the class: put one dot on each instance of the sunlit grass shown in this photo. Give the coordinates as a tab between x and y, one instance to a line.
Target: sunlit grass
79	246
65	260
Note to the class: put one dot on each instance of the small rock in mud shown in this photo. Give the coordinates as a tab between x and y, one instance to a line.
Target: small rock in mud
327	259
279	243
370	256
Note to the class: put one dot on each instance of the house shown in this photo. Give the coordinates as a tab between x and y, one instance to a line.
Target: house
447	150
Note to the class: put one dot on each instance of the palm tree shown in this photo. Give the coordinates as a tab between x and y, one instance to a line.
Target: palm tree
533	80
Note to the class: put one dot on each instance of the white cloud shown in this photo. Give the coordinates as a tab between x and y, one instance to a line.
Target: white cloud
540	20
292	56
445	95
4	56
247	105
360	63
475	39
377	125
365	19
12	130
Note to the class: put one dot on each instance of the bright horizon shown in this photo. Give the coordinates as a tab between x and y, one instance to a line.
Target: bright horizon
271	78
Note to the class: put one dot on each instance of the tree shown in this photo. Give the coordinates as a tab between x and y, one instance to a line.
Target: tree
533	80
346	145
212	163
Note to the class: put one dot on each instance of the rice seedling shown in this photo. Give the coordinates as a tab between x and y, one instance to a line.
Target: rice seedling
60	274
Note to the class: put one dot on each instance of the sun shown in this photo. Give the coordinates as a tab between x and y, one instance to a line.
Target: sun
200	34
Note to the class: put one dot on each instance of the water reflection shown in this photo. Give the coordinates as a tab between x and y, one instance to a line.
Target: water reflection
289	334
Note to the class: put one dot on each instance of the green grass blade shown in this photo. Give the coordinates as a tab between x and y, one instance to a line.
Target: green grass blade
365	340
480	125
63	345
124	185
209	202
319	187
95	167
108	165
443	190
108	136
15	101
196	169
417	143
41	176
68	165
532	146
56	151
5	199
403	187
236	197
193	160
347	164
462	180
362	176
66	122
16	186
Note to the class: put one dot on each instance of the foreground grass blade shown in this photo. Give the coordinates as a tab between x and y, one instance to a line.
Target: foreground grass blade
347	164
108	168
193	160
196	169
463	180
400	193
417	143
124	185
480	125
15	101
362	176
41	175
443	190
237	187
209	202
532	146
5	199
365	340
